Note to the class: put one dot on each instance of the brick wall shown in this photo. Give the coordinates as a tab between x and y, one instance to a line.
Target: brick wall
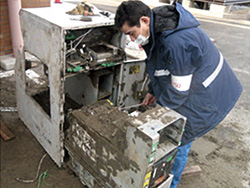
5	36
35	3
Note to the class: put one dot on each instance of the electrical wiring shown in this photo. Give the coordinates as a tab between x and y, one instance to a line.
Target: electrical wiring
38	169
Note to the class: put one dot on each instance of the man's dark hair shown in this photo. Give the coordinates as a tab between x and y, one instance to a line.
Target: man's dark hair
131	12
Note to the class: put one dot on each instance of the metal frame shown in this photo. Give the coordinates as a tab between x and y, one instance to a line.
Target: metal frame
44	35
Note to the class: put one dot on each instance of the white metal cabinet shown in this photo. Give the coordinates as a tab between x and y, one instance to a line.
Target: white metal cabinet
43	31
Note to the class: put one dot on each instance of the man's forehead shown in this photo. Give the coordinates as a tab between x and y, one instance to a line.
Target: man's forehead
127	29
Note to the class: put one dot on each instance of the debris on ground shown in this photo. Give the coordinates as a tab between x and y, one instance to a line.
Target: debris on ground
5	132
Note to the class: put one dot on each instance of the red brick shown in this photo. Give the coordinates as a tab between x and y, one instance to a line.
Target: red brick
6	21
5	31
44	4
5	35
8	52
2	47
7	40
24	4
7	48
5	26
8	43
3	3
4	10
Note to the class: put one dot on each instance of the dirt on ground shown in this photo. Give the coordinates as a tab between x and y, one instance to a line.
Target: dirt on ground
223	154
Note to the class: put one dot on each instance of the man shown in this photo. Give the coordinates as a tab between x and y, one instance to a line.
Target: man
187	73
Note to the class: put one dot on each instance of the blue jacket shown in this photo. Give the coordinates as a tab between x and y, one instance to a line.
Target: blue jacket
188	73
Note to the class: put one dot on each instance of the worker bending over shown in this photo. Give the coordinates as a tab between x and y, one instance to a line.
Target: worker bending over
187	72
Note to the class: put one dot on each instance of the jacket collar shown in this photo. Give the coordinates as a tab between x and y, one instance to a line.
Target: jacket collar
186	20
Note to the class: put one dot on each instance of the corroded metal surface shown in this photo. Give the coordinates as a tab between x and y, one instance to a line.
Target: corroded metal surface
118	150
44	37
44	128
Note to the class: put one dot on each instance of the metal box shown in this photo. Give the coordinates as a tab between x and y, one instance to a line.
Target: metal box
109	148
48	83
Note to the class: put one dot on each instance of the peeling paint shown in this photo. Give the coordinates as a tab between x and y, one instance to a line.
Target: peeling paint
124	146
34	76
85	142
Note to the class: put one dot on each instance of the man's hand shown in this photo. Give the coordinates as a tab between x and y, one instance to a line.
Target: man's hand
149	99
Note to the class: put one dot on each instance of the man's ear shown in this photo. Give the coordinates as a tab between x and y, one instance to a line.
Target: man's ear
146	20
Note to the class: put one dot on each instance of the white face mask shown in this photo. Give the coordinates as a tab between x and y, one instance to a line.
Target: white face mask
141	40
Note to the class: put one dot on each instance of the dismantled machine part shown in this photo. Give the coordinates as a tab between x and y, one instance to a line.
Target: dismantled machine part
91	49
109	148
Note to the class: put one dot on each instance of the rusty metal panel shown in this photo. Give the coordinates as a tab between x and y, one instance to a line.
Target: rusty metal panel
108	150
131	82
111	149
46	130
46	42
41	38
44	37
89	88
168	182
57	15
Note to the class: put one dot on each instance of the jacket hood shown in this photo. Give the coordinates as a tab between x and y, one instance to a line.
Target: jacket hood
168	19
171	18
